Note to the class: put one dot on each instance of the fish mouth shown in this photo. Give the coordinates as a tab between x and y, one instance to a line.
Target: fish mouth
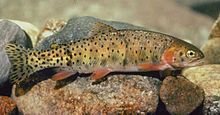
197	62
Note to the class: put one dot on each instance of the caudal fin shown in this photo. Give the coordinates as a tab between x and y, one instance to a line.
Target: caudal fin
20	69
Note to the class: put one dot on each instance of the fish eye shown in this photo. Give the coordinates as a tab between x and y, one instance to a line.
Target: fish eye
190	53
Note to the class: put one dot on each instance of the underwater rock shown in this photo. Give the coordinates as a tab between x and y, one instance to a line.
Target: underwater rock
9	32
212	105
31	30
207	77
211	48
117	94
180	96
7	106
78	28
51	26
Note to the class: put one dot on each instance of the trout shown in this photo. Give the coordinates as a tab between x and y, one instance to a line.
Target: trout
106	50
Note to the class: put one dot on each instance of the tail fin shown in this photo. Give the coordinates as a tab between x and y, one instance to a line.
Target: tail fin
20	69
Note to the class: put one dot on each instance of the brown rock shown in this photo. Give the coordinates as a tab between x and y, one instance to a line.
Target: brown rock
180	96
117	94
7	106
207	77
215	31
211	48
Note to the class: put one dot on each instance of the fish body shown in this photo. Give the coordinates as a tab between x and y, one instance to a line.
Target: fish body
106	50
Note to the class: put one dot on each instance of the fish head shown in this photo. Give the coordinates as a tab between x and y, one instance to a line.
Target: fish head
182	54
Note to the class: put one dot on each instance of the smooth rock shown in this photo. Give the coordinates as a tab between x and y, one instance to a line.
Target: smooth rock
7	106
211	48
206	76
9	32
31	30
78	28
180	96
117	94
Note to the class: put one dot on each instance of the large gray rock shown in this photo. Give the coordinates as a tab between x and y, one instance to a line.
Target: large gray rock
118	94
10	32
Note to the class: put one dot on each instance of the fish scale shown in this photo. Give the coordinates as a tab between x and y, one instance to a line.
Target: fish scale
106	50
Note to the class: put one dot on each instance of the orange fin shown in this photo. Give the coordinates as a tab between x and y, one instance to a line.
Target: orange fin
62	75
153	67
100	73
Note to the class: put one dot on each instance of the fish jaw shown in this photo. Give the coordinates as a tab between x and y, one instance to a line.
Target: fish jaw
197	62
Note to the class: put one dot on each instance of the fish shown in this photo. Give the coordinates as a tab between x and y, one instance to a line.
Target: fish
106	50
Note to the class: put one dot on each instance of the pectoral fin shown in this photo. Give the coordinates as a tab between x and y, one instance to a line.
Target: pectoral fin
100	73
63	75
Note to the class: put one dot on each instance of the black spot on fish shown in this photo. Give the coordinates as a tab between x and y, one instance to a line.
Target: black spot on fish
68	63
182	60
58	61
181	53
79	53
147	57
74	54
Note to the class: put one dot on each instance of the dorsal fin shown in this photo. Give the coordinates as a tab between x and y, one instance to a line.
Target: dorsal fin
215	31
54	45
100	27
